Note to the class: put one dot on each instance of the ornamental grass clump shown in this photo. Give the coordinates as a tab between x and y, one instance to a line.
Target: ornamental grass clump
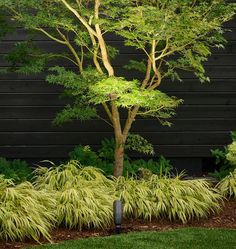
172	198
183	199
227	186
136	197
84	195
24	211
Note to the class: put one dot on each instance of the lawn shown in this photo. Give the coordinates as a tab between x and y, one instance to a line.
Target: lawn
187	238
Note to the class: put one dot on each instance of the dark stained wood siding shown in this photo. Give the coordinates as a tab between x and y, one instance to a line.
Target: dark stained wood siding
203	122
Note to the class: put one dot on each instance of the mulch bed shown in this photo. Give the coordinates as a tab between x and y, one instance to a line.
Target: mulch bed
226	219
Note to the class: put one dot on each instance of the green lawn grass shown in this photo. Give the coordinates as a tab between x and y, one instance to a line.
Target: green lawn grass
187	238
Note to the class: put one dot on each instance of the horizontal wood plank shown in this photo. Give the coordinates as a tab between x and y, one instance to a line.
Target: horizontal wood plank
42	112
141	125
55	152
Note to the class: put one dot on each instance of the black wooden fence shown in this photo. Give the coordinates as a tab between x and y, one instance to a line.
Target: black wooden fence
202	123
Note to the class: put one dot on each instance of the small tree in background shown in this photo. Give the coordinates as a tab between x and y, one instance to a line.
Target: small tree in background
173	35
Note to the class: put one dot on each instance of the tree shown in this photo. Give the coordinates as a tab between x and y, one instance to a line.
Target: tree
173	35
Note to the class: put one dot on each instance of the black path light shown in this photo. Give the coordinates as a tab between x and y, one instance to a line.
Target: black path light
117	214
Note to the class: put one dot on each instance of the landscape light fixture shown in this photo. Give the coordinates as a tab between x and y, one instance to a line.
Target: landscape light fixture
117	214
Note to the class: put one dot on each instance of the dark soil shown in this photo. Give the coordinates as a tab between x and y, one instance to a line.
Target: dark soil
226	219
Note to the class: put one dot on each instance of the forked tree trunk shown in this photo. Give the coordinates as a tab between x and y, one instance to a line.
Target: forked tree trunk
119	161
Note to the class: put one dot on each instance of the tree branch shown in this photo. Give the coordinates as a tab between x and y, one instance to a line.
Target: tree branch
156	71
76	13
130	119
68	44
50	36
116	121
56	55
148	74
106	108
95	53
101	41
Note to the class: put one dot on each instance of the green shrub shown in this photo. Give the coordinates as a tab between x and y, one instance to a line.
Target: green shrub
161	166
227	186
85	156
167	197
25	212
104	159
134	142
84	195
225	159
17	170
107	150
231	155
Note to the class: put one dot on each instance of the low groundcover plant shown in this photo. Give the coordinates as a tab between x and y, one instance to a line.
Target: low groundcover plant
78	197
24	211
83	196
227	186
17	170
171	198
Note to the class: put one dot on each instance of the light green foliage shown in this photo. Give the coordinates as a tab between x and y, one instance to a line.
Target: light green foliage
78	83
76	111
135	195
227	186
138	143
225	159
112	87
173	198
159	104
231	155
184	199
17	170
186	29
128	94
180	33
77	87
25	212
84	195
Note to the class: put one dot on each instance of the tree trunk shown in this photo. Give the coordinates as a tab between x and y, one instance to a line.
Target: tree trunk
119	161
